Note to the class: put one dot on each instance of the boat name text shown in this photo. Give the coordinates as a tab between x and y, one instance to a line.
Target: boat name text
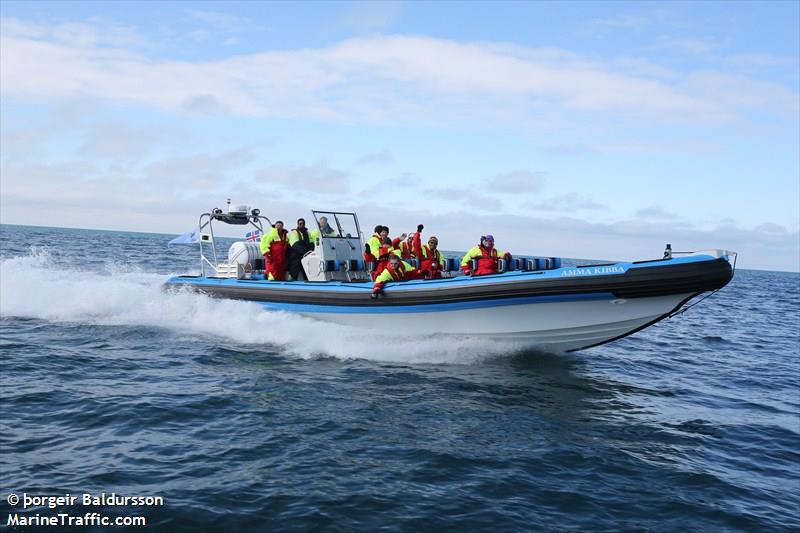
593	271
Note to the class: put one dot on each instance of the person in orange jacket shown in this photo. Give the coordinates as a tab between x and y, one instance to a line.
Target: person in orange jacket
396	270
431	258
275	247
487	256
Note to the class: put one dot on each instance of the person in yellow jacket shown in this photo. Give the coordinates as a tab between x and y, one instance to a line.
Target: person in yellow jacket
275	246
380	247
487	256
396	270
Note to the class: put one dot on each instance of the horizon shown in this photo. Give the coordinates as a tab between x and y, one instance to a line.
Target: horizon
609	128
239	237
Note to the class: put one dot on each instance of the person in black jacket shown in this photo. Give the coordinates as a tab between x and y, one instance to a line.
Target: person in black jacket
299	245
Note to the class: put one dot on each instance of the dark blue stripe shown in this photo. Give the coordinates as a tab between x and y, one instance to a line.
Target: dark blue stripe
434	308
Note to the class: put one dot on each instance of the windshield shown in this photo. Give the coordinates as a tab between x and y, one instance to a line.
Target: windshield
333	224
347	224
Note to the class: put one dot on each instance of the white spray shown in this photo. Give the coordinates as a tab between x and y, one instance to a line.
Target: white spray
35	286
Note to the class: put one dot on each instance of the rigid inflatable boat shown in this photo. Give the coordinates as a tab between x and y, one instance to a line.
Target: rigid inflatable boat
535	300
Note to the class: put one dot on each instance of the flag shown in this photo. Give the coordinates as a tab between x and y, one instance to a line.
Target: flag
253	236
190	237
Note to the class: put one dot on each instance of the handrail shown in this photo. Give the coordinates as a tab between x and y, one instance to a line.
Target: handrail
254	219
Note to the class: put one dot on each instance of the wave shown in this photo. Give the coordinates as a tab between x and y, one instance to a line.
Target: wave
37	286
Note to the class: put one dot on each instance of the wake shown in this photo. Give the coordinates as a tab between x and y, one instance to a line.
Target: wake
35	286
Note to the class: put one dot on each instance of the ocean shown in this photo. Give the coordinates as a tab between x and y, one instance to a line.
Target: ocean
242	419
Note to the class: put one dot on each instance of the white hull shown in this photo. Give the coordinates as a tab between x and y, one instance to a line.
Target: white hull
550	326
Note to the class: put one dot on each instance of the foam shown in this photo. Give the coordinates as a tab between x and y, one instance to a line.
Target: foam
36	286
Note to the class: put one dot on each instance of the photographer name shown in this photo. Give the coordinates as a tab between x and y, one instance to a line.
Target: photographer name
103	499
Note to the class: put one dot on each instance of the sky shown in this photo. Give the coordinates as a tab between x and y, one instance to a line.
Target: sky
575	129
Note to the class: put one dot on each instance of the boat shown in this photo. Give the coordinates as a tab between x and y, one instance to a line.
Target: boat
541	302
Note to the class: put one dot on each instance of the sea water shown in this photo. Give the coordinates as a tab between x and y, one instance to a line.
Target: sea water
238	418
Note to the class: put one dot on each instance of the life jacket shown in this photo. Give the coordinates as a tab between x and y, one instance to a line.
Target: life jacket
369	257
487	262
380	248
431	260
397	274
272	239
301	235
428	255
279	245
404	247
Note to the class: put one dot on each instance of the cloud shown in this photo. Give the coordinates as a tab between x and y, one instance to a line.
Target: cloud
370	17
468	197
224	27
640	67
517	182
199	171
222	21
316	179
95	32
117	140
655	213
739	92
379	79
204	104
376	158
565	203
690	46
771	228
762	61
169	199
685	145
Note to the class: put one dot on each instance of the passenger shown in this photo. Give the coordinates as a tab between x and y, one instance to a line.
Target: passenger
486	254
396	270
387	241
404	245
380	246
431	258
274	246
376	237
325	229
300	244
